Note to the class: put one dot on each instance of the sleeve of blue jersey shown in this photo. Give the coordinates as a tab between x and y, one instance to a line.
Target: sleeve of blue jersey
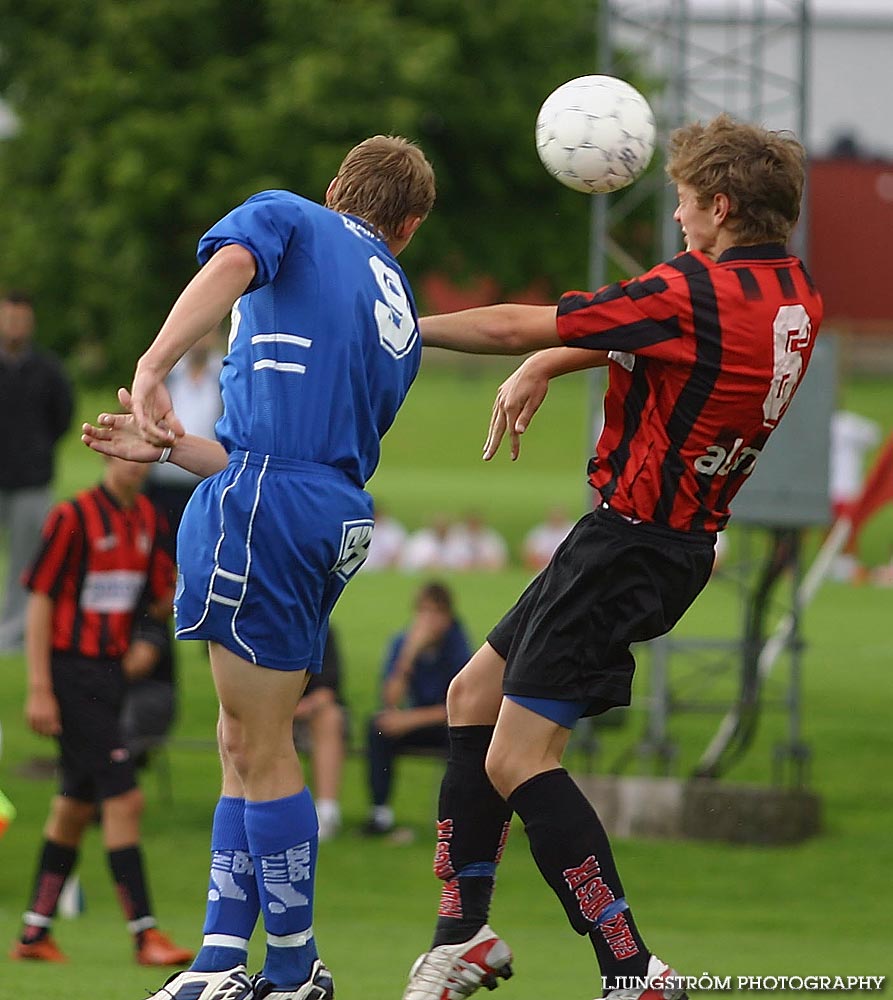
264	224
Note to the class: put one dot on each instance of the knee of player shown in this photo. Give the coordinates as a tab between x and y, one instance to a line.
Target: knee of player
329	720
462	699
68	818
131	802
501	770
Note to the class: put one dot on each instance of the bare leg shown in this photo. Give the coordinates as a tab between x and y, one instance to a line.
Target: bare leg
261	766
257	707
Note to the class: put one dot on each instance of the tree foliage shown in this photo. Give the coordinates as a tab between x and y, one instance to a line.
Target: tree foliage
143	121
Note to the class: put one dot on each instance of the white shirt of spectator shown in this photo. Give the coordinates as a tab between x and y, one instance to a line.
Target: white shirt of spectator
388	538
474	547
541	542
197	403
852	436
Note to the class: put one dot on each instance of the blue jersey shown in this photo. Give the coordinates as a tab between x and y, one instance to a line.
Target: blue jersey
324	344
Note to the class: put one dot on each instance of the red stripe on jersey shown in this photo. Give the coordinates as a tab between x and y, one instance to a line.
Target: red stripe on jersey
707	357
97	562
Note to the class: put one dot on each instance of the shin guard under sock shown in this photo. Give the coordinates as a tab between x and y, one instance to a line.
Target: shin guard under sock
284	835
471	832
233	902
572	851
55	864
129	873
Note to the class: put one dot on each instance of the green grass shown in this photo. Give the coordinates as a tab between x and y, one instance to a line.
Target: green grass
818	908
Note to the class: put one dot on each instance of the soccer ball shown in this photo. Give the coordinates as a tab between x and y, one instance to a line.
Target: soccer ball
595	134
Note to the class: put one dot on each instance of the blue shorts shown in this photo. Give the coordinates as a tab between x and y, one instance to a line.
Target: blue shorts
264	550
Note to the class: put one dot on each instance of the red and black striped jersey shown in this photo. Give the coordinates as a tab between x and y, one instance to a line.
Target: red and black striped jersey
706	356
97	562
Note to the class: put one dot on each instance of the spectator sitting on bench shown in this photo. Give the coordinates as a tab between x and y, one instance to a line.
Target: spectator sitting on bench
421	662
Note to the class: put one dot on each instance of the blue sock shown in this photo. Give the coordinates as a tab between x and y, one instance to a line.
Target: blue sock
283	838
233	903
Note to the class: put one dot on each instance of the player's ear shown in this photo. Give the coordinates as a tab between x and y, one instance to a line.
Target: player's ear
408	227
721	206
330	191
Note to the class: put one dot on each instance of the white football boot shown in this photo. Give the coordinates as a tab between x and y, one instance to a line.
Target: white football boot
452	971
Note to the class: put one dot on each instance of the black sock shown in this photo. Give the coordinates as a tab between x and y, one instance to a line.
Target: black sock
55	864
127	869
571	849
471	831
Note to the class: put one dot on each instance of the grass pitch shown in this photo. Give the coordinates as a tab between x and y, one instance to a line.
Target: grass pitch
819	908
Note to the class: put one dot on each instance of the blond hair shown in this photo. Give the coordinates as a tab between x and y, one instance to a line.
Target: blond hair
384	180
761	173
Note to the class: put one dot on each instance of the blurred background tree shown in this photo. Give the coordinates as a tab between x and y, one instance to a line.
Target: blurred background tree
141	123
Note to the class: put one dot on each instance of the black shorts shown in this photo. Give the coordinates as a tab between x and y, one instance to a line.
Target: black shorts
609	584
94	761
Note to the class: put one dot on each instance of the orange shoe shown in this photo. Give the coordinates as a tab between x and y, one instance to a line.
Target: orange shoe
156	948
44	949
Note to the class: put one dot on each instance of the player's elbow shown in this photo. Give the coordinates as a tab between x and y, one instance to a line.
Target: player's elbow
518	329
237	263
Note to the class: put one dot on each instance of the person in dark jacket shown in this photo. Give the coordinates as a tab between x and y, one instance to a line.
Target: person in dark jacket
36	402
420	663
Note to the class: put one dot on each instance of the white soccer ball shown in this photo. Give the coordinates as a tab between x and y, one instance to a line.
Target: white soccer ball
595	134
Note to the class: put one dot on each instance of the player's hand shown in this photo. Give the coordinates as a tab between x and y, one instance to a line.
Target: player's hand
117	434
517	400
42	713
153	411
394	722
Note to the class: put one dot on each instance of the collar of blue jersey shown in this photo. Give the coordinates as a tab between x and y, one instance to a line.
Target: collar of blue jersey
760	251
374	232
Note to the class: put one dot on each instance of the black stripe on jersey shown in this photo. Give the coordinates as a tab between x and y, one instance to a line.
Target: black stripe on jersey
80	574
749	284
686	264
705	482
785	282
572	303
35	570
807	277
735	477
697	390
101	500
633	405
636	289
73	558
630	336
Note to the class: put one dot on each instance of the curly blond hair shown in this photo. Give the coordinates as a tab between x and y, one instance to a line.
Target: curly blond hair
761	172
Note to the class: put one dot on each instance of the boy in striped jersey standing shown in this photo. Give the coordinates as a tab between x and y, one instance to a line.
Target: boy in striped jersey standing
102	551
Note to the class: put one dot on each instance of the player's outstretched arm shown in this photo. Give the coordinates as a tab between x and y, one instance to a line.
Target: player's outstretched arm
41	706
501	329
204	302
523	392
117	434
